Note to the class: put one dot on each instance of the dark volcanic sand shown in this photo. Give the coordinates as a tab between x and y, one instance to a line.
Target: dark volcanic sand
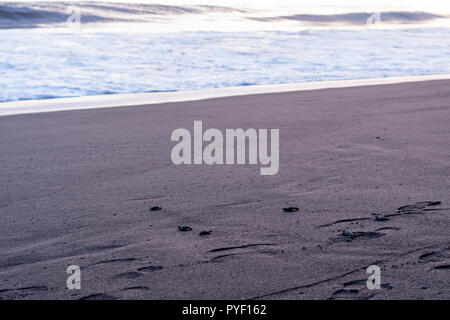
76	188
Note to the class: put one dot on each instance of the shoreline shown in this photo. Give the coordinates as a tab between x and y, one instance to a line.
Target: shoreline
136	99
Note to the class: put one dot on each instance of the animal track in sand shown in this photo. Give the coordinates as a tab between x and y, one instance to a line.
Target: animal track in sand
417	207
357	289
101	248
359	283
410	208
99	296
115	260
21	292
342	221
221	257
242	246
137	288
436	256
255	252
362	284
313	284
138	273
358	235
388	228
128	275
348	236
344	294
150	268
442	267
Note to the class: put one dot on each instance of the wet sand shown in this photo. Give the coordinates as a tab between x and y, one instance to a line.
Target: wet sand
76	188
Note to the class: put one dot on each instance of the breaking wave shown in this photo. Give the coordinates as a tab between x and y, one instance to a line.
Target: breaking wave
45	14
41	14
356	18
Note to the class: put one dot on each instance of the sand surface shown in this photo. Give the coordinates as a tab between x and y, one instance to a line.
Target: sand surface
76	188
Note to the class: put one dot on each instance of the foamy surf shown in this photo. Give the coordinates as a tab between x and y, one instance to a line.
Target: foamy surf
64	49
83	63
123	100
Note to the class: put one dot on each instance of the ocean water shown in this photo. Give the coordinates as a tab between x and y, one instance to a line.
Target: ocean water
69	49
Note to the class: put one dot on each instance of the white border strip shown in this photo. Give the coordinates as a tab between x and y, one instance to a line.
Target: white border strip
135	99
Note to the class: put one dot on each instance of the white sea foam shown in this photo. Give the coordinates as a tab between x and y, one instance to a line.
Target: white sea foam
171	47
137	99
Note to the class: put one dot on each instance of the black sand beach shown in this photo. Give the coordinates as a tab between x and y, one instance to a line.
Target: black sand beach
76	189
